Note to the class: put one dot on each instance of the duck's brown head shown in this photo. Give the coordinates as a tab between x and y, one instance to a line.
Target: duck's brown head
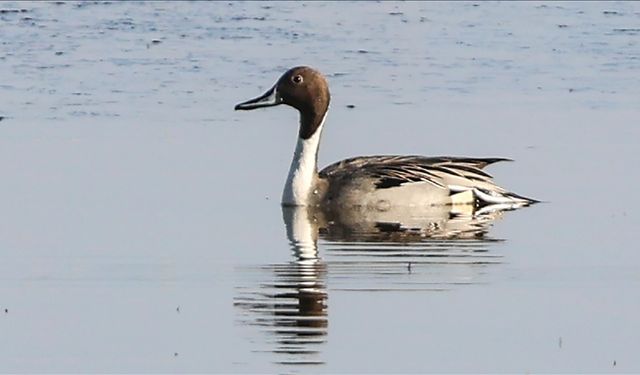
302	88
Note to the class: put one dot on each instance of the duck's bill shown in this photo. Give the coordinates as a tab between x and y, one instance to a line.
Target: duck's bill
268	99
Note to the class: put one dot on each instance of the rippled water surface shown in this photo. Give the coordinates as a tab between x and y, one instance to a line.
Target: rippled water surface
141	229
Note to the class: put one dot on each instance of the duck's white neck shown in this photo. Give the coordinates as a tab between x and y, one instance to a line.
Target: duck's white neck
303	171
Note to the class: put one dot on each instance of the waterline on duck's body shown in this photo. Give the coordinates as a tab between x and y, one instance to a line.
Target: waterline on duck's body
304	170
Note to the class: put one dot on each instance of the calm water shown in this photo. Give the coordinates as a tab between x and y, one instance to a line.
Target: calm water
141	227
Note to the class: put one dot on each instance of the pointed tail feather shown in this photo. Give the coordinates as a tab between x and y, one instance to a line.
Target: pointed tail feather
487	197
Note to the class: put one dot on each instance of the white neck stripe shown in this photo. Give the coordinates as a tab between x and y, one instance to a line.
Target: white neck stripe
303	170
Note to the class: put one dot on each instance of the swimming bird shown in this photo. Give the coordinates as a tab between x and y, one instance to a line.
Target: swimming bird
376	182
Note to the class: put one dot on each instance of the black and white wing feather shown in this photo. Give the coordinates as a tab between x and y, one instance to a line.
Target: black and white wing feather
457	174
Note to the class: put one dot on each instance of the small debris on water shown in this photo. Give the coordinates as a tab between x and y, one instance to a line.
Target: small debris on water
4	11
178	309
350	106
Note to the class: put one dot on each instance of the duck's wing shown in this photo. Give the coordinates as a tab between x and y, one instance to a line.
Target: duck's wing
391	170
457	174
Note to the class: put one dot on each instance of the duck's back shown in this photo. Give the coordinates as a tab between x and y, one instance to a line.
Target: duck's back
382	181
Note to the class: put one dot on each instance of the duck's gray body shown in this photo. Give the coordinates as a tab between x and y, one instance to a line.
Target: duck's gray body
379	182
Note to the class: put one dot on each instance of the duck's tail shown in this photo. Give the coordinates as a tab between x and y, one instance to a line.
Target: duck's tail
485	197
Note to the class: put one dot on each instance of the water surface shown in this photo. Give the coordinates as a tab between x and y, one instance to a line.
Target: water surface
142	231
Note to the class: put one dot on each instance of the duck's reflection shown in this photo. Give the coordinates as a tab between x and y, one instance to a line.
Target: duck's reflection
431	249
292	305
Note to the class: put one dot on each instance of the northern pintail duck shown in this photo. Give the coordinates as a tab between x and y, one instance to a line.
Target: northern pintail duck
377	182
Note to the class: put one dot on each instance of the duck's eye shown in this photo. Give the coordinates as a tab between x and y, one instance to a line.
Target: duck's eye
297	79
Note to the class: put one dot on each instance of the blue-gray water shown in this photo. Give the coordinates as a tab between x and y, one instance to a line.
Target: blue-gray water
141	229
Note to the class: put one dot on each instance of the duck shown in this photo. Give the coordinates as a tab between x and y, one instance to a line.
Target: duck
378	182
